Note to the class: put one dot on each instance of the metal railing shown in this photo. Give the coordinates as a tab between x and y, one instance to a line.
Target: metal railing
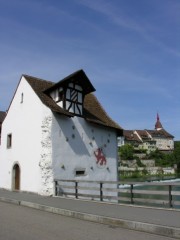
139	193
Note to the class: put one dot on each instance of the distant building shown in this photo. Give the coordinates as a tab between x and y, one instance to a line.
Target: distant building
149	140
140	139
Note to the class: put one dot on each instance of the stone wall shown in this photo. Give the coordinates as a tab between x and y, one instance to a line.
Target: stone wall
150	170
45	162
133	163
149	165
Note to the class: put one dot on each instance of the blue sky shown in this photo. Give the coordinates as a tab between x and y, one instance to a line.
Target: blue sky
130	50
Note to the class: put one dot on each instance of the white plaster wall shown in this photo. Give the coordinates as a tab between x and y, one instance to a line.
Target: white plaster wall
74	143
24	121
164	144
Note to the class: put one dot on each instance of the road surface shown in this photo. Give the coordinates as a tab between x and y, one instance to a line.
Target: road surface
18	222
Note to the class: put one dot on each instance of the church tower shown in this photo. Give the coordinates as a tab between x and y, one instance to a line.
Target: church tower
158	125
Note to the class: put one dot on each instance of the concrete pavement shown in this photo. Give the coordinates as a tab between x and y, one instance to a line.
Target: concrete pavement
165	222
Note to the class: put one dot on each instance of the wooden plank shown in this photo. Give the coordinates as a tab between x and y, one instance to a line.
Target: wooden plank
149	192
175	193
150	183
88	188
122	183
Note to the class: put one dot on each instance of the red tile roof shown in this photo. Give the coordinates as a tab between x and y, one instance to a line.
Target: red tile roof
2	116
130	135
160	133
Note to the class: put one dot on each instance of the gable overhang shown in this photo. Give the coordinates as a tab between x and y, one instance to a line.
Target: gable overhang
79	78
44	98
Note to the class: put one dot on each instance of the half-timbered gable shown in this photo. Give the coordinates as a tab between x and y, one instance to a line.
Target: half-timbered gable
70	92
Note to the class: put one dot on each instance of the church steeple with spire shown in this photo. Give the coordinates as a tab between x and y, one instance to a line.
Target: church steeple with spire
158	125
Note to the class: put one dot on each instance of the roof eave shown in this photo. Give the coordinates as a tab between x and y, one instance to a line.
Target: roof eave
98	122
67	114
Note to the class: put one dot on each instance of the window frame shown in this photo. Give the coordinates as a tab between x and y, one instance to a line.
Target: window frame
80	172
9	140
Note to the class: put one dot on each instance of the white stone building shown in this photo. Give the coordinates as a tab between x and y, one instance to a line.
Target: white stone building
149	140
56	131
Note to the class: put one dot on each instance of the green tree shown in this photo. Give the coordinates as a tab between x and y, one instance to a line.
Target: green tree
157	155
161	159
127	152
176	155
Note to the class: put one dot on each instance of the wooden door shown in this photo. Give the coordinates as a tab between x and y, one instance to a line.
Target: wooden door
16	177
